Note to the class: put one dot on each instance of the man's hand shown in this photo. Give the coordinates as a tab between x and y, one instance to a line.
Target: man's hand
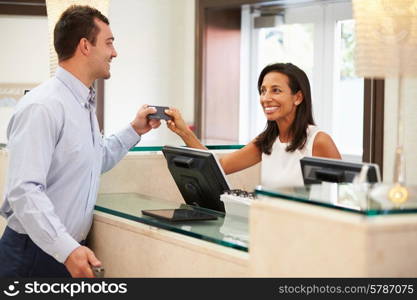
141	124
79	262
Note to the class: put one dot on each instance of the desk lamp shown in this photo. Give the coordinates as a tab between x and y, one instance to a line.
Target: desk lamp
386	46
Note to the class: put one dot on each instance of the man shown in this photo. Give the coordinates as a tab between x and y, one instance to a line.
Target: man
57	153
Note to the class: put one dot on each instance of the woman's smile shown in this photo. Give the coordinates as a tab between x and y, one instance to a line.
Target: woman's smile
271	109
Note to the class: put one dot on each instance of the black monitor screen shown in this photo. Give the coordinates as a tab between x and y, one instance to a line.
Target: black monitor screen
316	170
198	175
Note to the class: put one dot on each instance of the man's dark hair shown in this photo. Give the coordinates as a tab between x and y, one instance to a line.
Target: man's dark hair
75	23
298	81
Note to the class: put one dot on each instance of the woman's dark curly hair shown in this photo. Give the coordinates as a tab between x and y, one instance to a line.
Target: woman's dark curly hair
298	81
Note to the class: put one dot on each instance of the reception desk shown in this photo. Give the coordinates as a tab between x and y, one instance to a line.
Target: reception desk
131	244
332	230
328	230
289	234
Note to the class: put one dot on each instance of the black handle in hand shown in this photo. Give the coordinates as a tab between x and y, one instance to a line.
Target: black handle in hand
98	271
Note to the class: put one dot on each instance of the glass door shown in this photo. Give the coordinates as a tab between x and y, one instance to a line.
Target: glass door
318	38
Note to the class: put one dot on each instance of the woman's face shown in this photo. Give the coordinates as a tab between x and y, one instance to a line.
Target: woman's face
276	98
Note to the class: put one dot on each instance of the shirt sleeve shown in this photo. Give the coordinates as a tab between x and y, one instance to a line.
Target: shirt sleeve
116	146
33	133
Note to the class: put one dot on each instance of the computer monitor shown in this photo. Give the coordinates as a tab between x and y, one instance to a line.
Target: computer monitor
316	170
198	175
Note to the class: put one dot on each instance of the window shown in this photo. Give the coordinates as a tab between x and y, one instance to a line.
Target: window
319	38
347	128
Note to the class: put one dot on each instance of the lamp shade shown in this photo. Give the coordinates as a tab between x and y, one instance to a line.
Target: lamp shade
386	38
54	9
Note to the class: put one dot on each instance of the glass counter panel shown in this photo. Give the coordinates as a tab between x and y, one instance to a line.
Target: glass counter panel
366	199
230	231
210	147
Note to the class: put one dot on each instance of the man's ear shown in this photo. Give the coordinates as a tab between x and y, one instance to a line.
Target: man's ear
84	46
299	98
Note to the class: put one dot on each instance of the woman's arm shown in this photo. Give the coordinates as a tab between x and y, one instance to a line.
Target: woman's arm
241	159
232	162
325	147
178	126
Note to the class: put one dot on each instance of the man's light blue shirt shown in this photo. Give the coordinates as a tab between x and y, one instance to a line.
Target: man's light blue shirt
56	156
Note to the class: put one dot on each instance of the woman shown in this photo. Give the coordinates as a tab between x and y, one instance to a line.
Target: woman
290	132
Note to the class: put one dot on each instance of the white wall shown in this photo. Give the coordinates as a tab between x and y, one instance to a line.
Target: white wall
24	49
155	64
24	60
410	125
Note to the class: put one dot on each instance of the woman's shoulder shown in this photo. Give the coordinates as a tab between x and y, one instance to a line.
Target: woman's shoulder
324	146
322	138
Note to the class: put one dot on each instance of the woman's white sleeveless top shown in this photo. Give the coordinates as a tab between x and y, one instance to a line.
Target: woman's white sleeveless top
282	168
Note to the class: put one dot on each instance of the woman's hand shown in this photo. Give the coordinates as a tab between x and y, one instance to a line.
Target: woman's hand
177	124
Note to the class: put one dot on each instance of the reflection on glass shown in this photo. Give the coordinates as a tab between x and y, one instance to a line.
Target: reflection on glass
326	190
365	199
345	196
235	229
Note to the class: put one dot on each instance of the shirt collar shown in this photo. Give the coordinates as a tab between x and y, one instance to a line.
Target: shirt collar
84	95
